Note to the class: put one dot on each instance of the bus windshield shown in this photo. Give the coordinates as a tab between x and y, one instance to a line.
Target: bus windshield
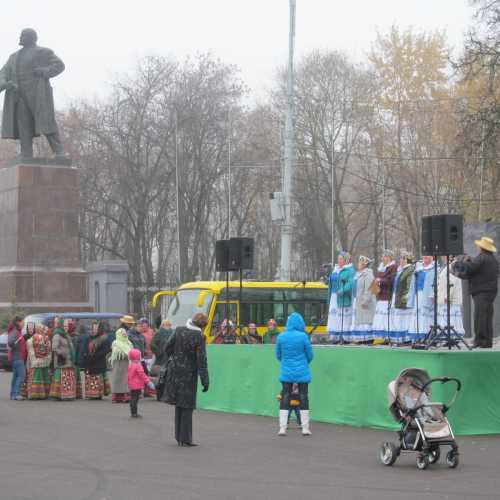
185	304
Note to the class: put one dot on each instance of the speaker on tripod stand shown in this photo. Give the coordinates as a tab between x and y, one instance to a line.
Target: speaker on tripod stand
442	235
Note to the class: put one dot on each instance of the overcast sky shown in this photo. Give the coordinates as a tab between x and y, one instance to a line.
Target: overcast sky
99	38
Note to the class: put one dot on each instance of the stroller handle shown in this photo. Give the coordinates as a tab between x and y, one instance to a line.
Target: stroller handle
444	380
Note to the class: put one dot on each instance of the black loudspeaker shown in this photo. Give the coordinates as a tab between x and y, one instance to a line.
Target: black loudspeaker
241	252
222	256
443	235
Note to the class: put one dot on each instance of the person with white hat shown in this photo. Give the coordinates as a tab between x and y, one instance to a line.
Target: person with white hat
482	273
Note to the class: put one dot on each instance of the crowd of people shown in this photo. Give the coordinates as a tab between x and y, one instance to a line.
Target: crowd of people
397	303
60	363
227	333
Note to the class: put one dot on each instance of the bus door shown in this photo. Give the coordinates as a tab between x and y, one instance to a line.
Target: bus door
222	310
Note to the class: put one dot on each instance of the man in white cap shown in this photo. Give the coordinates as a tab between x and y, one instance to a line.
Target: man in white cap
482	273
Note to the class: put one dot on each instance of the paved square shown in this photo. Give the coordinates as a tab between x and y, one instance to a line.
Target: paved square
92	450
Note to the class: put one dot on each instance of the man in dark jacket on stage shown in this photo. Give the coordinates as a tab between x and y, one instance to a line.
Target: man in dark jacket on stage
482	273
187	361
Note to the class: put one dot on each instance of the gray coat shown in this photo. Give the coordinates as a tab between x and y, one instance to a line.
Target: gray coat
61	351
364	315
119	376
45	122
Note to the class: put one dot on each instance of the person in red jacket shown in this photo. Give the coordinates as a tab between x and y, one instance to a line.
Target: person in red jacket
17	356
137	380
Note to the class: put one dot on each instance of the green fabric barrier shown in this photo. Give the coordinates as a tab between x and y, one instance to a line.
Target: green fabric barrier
349	384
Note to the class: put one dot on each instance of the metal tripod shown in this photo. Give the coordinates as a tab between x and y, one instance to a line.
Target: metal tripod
438	336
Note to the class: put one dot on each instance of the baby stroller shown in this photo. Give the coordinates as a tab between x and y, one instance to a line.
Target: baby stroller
424	426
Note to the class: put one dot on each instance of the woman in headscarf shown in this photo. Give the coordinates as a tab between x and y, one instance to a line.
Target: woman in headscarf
159	342
39	357
364	302
386	273
422	299
340	314
63	386
96	378
252	335
272	332
402	297
226	334
119	367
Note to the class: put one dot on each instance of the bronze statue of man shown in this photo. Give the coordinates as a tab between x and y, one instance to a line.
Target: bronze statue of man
28	110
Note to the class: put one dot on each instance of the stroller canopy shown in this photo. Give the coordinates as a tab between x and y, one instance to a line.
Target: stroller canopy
409	377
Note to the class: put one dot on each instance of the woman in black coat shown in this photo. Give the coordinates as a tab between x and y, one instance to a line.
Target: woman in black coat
96	350
187	361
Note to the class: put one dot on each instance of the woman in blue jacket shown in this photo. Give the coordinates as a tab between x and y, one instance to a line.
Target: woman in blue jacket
294	351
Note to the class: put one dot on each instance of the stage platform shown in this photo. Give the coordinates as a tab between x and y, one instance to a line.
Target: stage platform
349	384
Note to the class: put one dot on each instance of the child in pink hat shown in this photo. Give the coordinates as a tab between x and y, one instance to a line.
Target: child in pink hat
137	380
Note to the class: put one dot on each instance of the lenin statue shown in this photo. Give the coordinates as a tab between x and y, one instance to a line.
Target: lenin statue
28	109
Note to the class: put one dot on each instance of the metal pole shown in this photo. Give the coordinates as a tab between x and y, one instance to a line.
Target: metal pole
333	180
229	176
177	196
384	235
286	229
481	182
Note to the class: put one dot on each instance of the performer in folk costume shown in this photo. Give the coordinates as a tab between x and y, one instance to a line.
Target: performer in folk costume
364	302
96	377
39	358
401	313
340	314
63	386
456	318
119	367
384	278
422	299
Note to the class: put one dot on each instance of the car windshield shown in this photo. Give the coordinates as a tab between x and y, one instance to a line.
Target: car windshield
185	304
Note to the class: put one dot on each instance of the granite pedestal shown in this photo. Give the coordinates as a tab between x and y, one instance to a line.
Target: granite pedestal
40	265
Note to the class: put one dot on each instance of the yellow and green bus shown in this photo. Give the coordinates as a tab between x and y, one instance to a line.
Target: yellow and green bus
256	302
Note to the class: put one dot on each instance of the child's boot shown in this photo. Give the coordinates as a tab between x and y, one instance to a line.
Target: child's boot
283	422
304	418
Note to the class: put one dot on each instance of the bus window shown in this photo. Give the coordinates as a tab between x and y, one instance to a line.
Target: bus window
278	314
312	312
260	313
220	314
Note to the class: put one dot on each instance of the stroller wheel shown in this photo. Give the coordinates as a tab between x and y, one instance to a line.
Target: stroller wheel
422	461
452	459
434	455
389	453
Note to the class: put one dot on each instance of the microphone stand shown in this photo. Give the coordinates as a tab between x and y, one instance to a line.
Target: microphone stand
341	340
450	337
416	302
389	306
434	334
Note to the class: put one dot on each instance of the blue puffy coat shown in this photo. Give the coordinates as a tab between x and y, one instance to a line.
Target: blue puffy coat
294	351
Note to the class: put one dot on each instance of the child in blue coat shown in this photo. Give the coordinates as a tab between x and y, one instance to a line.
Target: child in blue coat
294	351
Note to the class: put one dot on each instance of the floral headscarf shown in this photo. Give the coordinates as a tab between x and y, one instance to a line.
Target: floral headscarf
63	333
41	342
121	346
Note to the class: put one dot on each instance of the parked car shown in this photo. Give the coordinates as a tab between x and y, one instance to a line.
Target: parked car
4	350
81	318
